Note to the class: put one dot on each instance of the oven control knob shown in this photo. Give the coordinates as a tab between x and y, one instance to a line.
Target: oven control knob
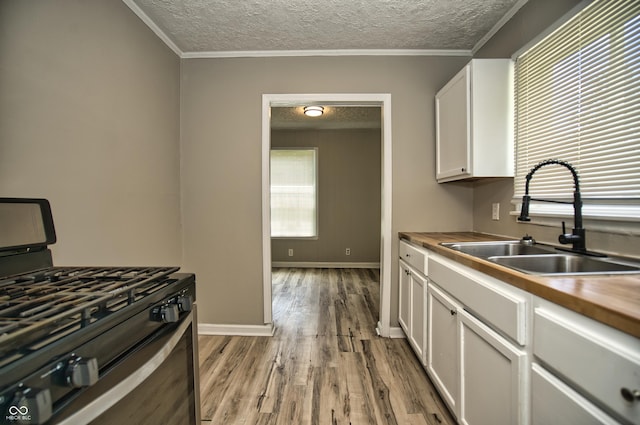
169	313
81	372
185	303
30	406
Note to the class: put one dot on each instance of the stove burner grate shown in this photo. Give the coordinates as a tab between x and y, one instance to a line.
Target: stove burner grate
45	304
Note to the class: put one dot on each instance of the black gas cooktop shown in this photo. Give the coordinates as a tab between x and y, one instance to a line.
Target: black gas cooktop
40	307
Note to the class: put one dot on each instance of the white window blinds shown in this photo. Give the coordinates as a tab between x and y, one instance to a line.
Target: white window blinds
578	100
293	193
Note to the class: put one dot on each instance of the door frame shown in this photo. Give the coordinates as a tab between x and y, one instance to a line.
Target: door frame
382	100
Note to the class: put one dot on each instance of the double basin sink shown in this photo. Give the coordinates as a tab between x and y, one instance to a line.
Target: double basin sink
542	259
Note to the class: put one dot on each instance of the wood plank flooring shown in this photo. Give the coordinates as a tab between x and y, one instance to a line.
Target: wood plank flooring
325	365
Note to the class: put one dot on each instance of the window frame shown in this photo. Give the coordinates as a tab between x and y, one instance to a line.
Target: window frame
608	213
317	197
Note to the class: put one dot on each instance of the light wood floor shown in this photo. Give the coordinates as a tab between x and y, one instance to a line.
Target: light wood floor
324	365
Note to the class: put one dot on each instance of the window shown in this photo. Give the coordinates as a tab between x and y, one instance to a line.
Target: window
294	203
578	100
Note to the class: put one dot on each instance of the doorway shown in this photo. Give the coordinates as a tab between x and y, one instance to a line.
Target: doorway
366	99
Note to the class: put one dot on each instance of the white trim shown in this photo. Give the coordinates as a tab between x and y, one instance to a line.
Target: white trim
342	99
266	211
324	265
395	332
152	25
387	237
605	212
506	18
337	52
235	330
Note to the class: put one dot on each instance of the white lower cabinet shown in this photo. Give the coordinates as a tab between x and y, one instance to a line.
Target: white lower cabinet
417	333
404	295
491	376
479	374
443	345
412	313
499	355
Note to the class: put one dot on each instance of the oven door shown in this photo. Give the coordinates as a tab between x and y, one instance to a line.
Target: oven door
157	383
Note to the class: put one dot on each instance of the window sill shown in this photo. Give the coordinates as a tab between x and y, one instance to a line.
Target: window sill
619	219
303	238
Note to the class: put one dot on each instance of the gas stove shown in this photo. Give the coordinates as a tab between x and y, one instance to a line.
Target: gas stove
64	328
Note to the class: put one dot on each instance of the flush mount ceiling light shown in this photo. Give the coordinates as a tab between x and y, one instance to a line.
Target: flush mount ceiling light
313	111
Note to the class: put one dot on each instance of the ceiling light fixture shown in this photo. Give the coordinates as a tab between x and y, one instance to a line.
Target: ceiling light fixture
313	111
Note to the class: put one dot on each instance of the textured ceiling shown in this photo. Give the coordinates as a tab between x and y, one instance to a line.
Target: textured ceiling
334	117
199	26
213	28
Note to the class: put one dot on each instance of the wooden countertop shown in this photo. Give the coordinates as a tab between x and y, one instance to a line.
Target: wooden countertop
611	299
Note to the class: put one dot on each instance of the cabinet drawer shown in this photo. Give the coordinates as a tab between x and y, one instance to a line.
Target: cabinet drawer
416	257
553	402
497	304
596	360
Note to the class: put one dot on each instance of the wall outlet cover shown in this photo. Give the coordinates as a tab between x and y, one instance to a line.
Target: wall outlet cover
495	211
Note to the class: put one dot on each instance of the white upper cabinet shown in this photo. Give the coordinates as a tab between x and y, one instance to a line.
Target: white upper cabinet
474	122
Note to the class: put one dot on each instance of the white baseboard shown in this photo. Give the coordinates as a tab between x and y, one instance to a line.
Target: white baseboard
396	332
324	265
236	330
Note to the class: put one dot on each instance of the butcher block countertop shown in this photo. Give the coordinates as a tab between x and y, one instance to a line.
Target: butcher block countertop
611	299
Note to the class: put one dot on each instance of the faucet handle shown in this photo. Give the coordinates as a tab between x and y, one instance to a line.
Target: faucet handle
524	209
564	228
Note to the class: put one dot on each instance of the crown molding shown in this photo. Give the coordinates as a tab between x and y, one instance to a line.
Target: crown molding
336	52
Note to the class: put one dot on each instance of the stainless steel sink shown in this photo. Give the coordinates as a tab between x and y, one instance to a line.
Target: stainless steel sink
498	248
563	264
542	259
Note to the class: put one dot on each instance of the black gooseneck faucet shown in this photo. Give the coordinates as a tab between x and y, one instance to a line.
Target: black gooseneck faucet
577	236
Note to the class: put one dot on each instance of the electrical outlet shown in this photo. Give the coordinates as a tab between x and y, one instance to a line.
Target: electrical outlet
495	211
347	251
290	252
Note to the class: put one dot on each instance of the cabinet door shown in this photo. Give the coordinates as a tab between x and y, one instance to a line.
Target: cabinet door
417	327
492	391
442	345
453	148
404	296
553	402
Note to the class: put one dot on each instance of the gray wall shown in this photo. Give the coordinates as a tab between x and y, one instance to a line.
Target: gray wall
532	19
97	115
89	118
349	196
221	162
100	117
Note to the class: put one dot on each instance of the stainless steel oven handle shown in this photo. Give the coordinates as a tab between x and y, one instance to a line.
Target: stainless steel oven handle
104	402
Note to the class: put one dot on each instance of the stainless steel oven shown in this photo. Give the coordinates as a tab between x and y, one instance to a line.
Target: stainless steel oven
91	345
154	383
